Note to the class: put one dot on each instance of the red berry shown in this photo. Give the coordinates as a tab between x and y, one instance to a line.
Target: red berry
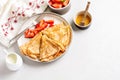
23	14
38	6
30	3
3	29
42	2
11	28
15	21
5	34
19	14
5	24
13	12
8	19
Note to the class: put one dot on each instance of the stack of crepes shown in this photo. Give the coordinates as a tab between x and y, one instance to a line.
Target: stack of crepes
14	13
48	44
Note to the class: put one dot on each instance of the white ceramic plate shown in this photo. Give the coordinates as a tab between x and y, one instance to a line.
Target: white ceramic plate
46	16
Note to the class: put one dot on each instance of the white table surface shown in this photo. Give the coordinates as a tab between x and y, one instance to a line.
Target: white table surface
94	54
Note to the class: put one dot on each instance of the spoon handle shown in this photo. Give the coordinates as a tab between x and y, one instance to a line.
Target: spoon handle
87	7
85	12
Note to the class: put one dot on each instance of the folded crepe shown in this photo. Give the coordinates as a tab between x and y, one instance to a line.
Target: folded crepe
31	48
60	33
48	44
34	44
23	48
49	48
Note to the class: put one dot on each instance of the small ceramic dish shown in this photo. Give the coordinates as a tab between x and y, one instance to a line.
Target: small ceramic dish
59	9
78	18
13	61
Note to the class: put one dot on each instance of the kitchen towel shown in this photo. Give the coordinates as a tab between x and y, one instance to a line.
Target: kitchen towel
14	13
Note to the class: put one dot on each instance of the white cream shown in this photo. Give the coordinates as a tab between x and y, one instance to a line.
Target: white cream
13	61
12	58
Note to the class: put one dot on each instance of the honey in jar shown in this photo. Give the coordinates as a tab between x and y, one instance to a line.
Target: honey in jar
79	18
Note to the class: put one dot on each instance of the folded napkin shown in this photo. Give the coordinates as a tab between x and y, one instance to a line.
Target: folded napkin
13	13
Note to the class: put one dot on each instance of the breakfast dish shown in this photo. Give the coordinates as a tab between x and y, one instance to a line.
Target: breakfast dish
48	44
58	3
59	33
59	6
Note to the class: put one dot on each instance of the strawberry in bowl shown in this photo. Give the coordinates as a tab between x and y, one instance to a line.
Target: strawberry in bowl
59	6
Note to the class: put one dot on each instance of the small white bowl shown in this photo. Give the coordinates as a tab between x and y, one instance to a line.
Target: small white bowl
85	26
13	61
62	10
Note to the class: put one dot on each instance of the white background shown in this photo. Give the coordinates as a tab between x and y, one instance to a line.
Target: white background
94	54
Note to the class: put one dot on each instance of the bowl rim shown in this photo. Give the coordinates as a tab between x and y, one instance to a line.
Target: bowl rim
59	8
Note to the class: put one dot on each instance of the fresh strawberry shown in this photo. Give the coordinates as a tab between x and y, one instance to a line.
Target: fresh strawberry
50	2
43	26
29	35
51	25
65	3
50	21
58	1
26	31
41	22
35	32
37	25
57	5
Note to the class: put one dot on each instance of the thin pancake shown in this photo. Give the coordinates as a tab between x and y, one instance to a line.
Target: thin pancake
49	48
31	48
23	48
59	33
48	44
34	45
50	58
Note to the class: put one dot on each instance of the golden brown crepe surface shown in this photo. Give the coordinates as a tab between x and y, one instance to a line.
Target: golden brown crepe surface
48	44
60	33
